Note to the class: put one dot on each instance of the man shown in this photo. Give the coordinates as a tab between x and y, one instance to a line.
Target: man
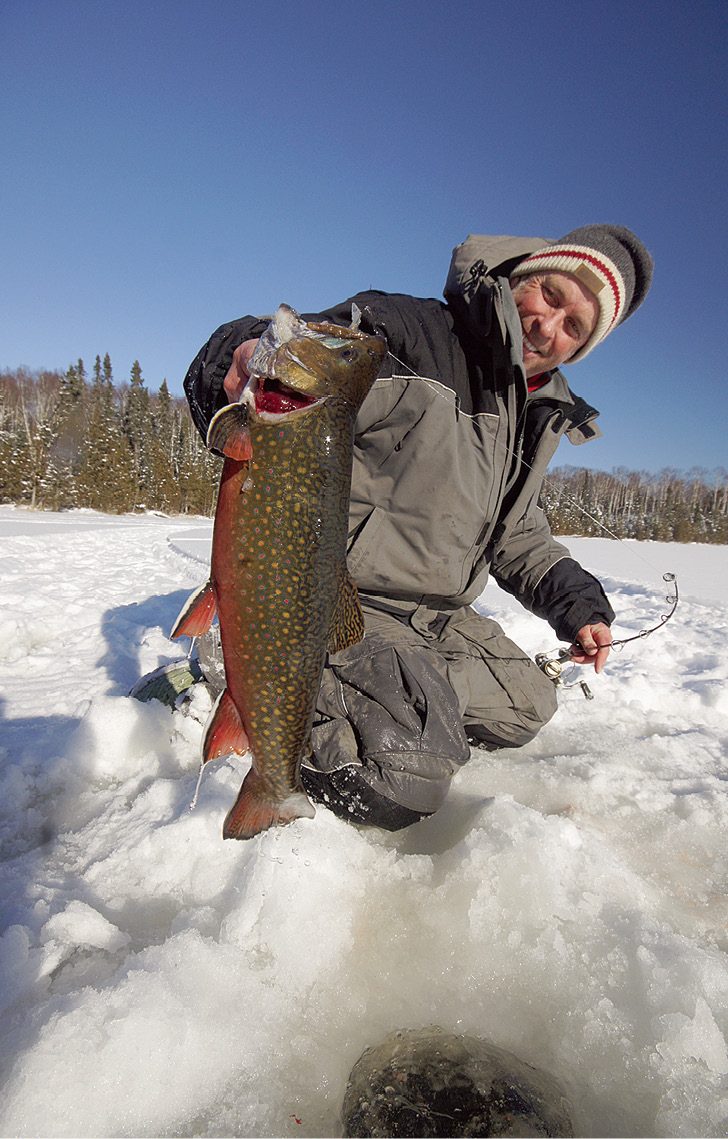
451	449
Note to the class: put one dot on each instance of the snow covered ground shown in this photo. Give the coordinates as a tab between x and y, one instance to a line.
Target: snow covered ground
568	903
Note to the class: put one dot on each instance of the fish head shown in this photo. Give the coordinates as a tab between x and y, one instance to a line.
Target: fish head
341	362
311	363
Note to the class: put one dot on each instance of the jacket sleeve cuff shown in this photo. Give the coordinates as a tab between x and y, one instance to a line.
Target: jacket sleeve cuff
569	597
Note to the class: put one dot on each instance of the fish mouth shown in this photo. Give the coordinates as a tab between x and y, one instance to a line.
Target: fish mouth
274	400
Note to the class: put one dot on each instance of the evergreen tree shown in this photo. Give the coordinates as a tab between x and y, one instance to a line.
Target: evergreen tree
106	479
198	472
67	450
164	489
139	434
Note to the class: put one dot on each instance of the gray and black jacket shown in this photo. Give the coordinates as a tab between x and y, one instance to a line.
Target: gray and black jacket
450	450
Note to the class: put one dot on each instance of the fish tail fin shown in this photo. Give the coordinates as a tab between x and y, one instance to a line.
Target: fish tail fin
255	810
197	613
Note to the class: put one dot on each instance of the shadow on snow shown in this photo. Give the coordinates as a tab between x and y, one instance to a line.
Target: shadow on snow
125	629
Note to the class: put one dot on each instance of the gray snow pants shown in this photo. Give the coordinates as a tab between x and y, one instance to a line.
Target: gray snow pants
397	712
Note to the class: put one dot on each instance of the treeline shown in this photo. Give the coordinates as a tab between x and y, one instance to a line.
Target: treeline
667	507
73	440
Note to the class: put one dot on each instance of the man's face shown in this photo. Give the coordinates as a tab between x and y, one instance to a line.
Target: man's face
558	315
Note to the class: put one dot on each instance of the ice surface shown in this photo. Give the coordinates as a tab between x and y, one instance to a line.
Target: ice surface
568	903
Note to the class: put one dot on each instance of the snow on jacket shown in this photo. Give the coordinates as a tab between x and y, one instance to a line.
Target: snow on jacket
450	449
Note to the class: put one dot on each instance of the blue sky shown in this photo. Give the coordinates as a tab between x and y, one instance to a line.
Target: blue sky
169	166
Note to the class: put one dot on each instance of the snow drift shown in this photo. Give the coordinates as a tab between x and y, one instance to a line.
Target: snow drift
568	903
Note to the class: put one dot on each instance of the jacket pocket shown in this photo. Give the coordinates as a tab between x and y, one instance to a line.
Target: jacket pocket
365	540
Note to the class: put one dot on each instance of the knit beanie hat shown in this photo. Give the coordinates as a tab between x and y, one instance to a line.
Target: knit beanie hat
610	261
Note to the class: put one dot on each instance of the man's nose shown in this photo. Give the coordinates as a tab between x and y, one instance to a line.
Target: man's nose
549	322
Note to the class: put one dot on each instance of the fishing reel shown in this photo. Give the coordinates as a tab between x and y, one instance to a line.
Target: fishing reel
557	662
554	663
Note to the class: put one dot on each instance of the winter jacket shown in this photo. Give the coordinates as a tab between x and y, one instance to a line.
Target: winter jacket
450	449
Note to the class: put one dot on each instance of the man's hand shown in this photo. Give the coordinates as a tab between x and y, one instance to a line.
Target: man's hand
592	645
238	374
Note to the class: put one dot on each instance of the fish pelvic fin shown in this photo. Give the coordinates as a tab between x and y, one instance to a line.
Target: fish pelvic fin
347	622
197	613
255	811
229	432
224	733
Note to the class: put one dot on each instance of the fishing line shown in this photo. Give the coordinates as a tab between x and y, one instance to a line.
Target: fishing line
196	795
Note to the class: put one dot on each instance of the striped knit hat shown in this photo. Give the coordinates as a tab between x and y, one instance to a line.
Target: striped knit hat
609	261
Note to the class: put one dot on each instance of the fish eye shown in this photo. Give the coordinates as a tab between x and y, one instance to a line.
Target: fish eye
349	354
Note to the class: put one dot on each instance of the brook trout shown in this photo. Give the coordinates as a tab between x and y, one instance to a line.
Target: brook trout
278	581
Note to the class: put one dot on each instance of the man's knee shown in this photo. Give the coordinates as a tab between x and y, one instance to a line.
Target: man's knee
366	770
519	724
348	793
504	697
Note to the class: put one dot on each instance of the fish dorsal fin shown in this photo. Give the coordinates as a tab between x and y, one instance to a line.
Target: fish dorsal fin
347	623
197	613
229	432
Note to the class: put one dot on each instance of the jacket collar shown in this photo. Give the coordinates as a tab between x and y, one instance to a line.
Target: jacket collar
577	412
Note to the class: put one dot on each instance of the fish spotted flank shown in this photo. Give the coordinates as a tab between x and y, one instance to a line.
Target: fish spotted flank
278	580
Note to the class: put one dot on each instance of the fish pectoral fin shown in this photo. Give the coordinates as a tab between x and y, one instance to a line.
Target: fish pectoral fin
224	733
197	613
347	623
255	809
229	432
